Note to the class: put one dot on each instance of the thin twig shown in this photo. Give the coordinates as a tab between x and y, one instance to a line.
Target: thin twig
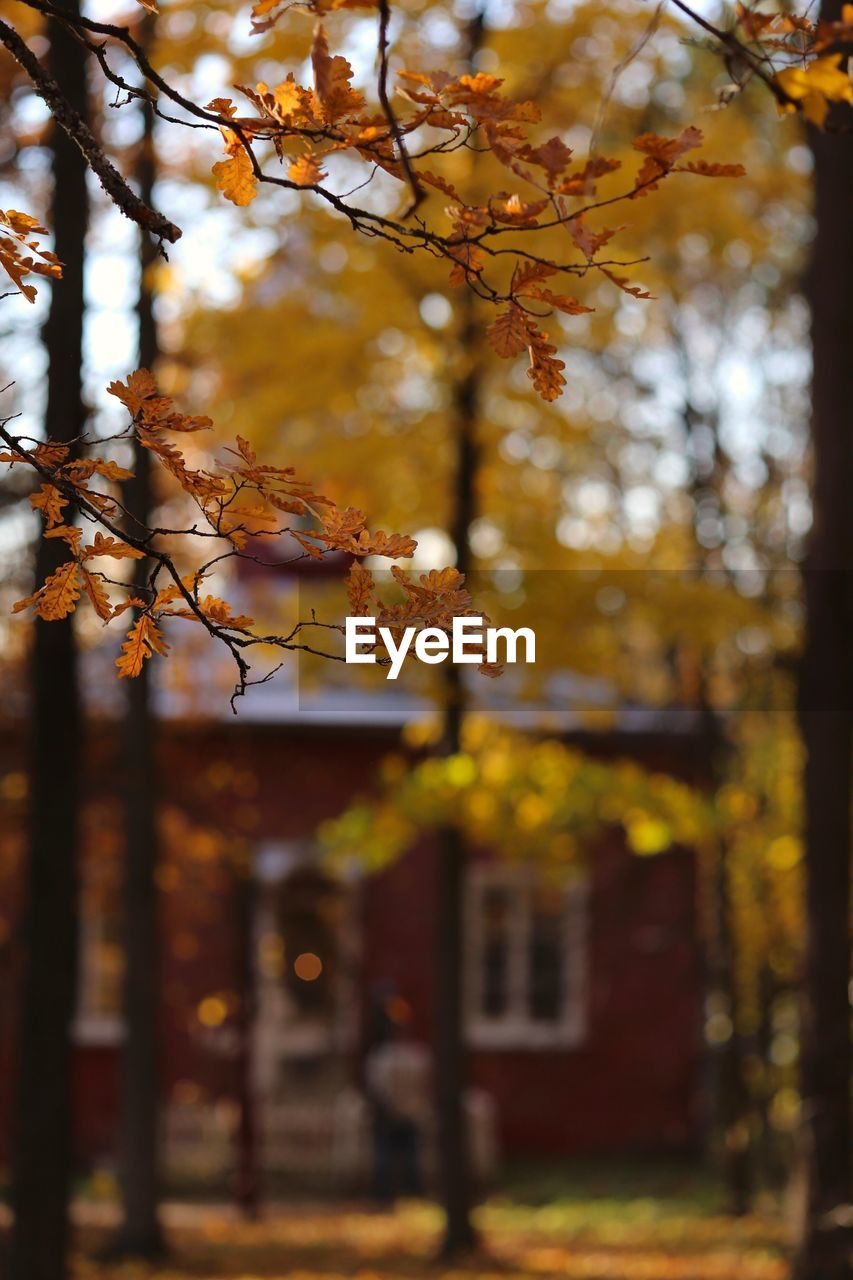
382	88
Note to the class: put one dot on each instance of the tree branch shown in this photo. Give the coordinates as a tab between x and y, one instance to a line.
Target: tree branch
80	133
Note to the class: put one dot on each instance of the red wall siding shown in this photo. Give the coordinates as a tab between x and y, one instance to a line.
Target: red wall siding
632	1081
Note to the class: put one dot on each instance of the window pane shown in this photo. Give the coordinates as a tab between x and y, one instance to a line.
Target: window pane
495	952
546	977
101	966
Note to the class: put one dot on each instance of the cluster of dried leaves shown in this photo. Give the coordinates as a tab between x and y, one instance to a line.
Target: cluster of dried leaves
238	500
294	132
308	126
21	254
434	115
803	63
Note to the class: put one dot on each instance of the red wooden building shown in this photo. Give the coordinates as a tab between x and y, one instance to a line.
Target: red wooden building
582	1003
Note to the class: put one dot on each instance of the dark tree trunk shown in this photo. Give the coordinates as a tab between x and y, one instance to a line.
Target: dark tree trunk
247	1180
826	715
140	1234
449	1048
43	1106
731	1099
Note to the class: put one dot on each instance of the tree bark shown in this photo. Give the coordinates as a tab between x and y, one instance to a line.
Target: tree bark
826	716
449	1048
140	1234
247	1176
43	1107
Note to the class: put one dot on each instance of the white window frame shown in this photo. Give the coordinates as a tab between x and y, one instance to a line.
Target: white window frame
92	1029
516	1028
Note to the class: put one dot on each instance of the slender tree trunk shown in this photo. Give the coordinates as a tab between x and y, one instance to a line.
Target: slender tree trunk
43	1107
246	1181
449	1050
731	1103
140	1234
826	715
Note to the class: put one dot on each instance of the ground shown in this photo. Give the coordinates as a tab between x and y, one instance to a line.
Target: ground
576	1223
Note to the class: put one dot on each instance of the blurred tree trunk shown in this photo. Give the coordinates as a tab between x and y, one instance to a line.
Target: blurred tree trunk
454	1172
140	1234
730	1110
43	1106
731	1104
453	1155
246	1182
826	714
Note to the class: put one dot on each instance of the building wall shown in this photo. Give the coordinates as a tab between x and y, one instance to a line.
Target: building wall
630	1083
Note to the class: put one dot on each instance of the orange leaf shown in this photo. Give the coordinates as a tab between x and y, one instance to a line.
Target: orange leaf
50	502
60	593
140	386
95	590
235	178
111	547
359	590
546	370
144	639
305	171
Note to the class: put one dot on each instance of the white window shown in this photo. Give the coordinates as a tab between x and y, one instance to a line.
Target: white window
526	959
101	974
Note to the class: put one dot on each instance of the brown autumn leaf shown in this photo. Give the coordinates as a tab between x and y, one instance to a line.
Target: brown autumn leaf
133	394
109	546
96	591
57	597
50	502
144	639
305	171
508	334
546	369
359	590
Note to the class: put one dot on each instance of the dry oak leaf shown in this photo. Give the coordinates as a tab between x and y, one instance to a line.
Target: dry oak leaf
139	388
95	590
588	241
305	171
814	87
133	602
710	169
219	611
667	150
561	302
508	334
441	184
235	177
216	611
50	502
552	156
332	77
57	597
109	546
20	228
394	546
470	260
515	212
527	273
623	283
359	590
69	533
144	639
546	370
